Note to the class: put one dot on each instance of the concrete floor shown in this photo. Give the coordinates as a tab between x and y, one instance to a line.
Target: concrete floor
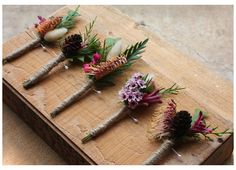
202	32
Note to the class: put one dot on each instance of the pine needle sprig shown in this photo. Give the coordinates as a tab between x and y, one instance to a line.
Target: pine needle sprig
174	89
88	30
68	21
132	53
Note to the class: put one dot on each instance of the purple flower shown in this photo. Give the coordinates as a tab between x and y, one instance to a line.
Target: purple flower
141	83
123	95
41	19
137	76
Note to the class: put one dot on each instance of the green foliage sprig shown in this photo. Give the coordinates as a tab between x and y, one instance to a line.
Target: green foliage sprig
174	89
68	21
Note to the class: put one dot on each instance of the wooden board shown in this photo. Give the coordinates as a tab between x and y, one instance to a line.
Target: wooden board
125	143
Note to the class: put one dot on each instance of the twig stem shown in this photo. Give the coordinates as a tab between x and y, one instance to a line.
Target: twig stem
74	97
159	153
20	51
43	71
106	124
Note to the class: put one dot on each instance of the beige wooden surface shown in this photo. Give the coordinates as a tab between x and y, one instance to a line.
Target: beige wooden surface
132	144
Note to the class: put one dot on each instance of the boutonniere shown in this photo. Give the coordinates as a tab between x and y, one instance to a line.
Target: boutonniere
47	31
76	48
102	71
139	90
173	127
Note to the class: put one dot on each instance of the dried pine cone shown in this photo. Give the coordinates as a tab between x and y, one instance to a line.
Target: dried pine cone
48	25
71	44
104	68
180	124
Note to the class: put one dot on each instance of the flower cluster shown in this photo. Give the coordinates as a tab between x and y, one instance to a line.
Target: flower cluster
135	92
180	124
95	60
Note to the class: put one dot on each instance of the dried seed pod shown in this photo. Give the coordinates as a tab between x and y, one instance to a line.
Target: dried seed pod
181	124
48	25
71	44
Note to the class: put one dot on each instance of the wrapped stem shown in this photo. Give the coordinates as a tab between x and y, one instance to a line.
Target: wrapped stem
43	71
69	100
158	155
106	124
22	50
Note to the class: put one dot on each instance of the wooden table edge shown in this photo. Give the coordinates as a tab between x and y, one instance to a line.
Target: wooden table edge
43	127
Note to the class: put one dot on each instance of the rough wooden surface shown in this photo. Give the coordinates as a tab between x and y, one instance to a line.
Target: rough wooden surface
126	143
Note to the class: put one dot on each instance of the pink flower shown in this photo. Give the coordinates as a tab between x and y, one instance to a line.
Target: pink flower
96	58
199	126
86	68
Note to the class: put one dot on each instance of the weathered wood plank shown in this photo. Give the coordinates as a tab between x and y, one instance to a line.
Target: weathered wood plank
126	143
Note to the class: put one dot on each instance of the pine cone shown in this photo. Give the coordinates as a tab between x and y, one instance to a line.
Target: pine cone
180	124
104	68
71	44
48	25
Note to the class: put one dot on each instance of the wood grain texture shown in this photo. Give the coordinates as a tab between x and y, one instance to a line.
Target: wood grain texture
125	143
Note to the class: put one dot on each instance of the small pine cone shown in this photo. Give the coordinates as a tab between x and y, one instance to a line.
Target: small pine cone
104	68
180	124
71	44
48	25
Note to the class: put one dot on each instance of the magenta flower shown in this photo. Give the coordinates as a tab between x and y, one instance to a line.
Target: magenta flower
96	58
199	126
86	68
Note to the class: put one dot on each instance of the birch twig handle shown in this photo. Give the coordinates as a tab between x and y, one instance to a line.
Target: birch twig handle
160	153
43	71
22	50
106	124
69	100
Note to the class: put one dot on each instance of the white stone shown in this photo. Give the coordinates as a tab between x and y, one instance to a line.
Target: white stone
116	49
55	34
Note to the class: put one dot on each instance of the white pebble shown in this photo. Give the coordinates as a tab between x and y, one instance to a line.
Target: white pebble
55	34
116	49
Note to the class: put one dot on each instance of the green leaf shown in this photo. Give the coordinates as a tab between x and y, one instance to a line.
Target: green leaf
81	58
196	114
110	42
68	21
